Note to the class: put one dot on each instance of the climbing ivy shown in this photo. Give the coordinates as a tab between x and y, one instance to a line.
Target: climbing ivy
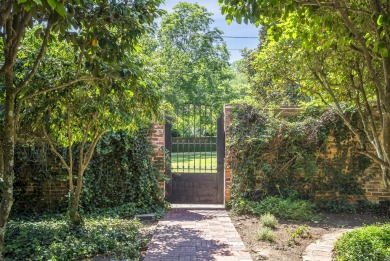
121	171
290	157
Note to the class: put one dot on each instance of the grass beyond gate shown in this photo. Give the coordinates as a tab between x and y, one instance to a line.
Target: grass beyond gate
200	162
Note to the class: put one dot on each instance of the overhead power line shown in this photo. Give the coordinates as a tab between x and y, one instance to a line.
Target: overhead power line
239	37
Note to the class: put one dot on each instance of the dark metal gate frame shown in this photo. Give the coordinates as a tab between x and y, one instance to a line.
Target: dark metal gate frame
197	188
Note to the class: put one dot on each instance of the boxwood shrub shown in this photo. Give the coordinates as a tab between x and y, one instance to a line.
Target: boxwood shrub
364	244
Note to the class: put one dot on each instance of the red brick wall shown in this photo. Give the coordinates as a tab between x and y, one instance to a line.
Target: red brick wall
372	182
228	172
157	139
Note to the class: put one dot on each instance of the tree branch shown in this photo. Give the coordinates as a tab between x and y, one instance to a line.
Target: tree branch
91	148
39	57
82	145
70	152
362	42
62	86
375	159
54	150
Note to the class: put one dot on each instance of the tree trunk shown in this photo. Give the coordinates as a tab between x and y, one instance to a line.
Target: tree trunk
386	140
8	157
74	215
1	158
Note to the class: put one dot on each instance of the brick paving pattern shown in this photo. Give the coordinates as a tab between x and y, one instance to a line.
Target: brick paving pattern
322	249
196	234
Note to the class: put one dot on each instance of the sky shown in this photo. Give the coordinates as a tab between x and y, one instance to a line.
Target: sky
234	29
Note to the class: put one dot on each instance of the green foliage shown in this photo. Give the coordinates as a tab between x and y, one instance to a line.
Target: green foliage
293	209
268	220
300	232
343	206
302	46
272	156
265	234
194	57
52	238
121	171
363	244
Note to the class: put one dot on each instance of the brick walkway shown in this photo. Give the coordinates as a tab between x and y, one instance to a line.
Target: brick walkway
196	234
322	249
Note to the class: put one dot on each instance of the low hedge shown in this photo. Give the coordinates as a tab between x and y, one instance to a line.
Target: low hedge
364	244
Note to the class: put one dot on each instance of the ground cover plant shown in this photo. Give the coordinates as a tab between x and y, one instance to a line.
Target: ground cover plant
289	208
366	243
107	232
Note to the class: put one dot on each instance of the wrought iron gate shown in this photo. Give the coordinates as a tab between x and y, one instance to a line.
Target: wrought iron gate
196	145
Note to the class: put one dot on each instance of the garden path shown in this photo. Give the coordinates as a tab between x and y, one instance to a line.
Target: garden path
196	232
322	249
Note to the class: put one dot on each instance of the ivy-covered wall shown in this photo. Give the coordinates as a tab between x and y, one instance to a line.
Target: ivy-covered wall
122	170
288	153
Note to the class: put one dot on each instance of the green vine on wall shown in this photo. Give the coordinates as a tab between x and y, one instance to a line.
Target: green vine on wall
290	157
121	171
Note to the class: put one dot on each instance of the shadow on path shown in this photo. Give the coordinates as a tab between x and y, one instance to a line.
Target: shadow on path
196	235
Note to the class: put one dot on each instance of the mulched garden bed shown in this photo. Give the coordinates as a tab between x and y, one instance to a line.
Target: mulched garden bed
284	248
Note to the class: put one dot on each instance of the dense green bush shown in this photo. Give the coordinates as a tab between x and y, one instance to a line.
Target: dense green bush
289	208
50	237
365	244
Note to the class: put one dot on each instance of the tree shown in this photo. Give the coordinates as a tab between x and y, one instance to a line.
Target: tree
194	56
101	33
74	119
338	50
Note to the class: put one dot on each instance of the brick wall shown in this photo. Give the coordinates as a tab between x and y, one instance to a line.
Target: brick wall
372	182
31	195
228	172
157	138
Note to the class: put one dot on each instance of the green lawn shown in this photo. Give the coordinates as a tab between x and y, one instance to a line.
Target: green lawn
194	162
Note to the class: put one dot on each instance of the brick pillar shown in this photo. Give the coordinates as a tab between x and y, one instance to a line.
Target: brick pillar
228	172
157	138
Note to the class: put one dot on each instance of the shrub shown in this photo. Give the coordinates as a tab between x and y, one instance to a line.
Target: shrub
268	220
300	232
367	243
266	234
289	208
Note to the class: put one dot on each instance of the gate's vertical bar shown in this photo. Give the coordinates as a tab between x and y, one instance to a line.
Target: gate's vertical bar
188	117
211	138
220	159
194	136
182	137
205	140
177	141
200	137
168	148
